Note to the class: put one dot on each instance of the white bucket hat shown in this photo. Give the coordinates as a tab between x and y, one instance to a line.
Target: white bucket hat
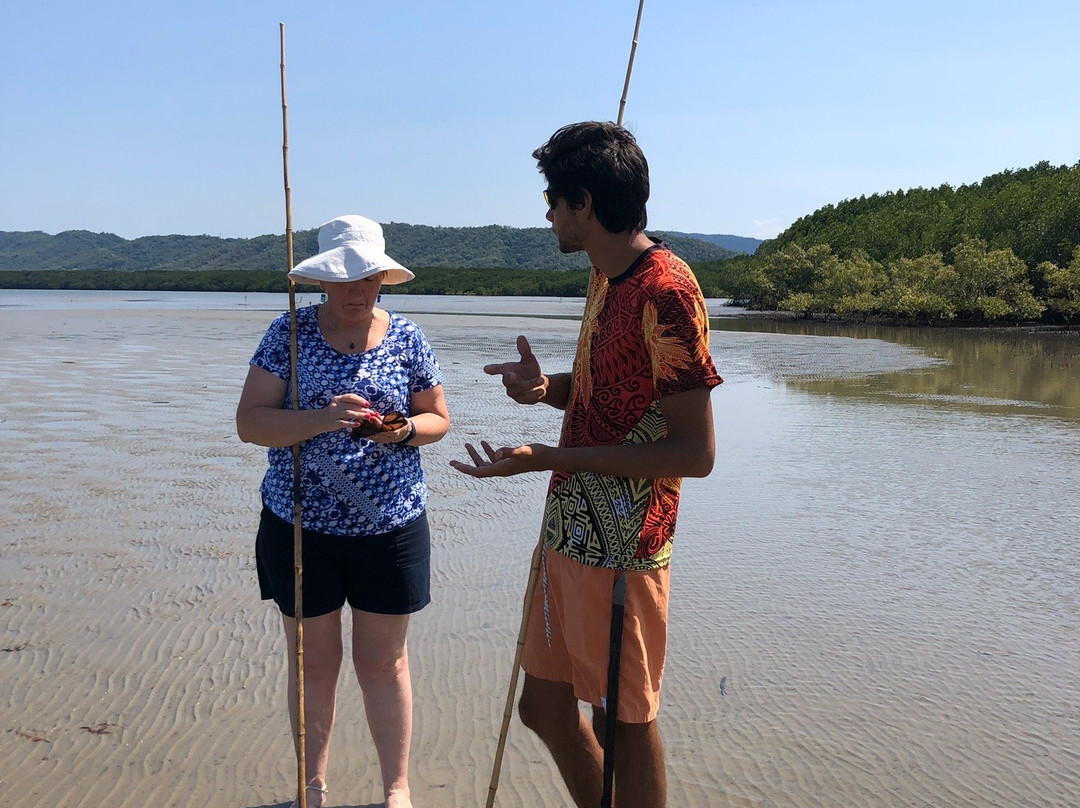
351	248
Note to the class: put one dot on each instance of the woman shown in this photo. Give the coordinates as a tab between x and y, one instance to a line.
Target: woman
370	395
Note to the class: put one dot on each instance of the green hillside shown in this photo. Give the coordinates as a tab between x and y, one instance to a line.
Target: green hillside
1001	250
531	248
1035	212
744	245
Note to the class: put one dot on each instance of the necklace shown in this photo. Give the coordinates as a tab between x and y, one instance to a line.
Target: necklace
352	342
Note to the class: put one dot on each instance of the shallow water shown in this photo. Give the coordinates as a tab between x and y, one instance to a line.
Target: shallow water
875	594
876	591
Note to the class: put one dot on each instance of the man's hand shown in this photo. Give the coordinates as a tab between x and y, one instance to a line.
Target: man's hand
504	462
522	379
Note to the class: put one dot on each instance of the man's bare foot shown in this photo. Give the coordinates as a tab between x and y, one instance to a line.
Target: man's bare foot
398	798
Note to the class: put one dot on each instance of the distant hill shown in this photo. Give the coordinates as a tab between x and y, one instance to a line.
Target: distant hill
737	244
1003	250
412	245
1034	212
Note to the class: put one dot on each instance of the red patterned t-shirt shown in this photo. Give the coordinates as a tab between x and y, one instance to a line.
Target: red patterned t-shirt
645	336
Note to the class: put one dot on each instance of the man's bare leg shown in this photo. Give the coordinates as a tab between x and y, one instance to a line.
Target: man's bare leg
550	709
640	776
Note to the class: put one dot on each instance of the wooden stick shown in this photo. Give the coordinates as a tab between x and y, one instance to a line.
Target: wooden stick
294	383
630	65
534	571
530	591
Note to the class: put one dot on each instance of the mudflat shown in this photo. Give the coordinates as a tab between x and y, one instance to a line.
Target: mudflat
853	622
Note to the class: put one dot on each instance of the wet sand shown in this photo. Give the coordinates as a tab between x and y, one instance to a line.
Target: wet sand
815	661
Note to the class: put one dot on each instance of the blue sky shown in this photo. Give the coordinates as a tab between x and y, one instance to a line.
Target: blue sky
165	117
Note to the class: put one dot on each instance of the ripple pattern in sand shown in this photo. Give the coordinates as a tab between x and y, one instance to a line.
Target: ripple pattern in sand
870	607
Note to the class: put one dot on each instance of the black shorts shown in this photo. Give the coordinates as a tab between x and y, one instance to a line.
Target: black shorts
389	573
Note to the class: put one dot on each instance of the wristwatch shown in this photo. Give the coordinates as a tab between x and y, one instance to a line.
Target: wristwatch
412	433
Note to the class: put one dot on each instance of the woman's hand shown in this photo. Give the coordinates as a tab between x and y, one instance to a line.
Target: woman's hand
349	410
263	419
393	435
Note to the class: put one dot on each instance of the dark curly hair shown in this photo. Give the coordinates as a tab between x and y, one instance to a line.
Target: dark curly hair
604	159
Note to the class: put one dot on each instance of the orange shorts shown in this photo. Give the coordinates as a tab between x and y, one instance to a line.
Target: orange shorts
579	619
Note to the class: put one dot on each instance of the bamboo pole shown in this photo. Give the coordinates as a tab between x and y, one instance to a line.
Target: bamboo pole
294	384
530	591
534	571
630	65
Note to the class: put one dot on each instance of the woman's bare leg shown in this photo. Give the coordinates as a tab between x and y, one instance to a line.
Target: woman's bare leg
381	660
323	651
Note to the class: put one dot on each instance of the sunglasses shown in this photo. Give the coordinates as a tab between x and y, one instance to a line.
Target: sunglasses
550	198
390	422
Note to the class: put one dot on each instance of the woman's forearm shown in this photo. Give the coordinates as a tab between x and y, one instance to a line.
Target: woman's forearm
273	426
430	427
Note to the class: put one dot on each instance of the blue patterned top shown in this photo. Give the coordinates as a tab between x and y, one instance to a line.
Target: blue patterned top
349	488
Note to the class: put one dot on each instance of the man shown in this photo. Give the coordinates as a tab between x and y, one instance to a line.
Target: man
638	419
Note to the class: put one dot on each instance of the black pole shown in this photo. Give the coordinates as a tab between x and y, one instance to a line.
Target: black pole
618	602
618	592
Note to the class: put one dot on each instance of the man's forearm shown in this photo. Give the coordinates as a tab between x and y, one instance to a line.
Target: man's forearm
662	458
557	394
